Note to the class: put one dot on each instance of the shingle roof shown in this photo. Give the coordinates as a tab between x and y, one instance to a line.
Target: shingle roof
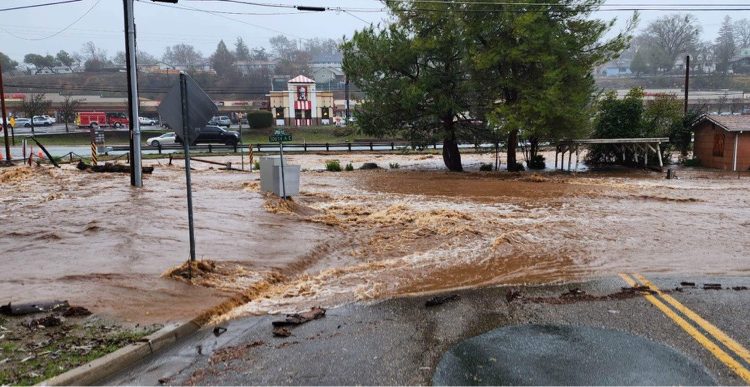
728	123
301	79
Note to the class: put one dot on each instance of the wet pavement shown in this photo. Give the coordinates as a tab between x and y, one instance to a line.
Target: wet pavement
400	341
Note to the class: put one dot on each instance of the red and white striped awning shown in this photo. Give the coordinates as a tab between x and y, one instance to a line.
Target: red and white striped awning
300	79
303	105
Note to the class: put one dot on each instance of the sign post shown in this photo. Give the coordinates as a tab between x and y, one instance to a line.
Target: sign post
186	116
280	136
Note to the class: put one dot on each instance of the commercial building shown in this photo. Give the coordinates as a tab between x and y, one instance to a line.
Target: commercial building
301	104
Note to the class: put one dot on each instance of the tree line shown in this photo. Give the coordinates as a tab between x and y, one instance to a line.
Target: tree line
479	72
290	58
670	38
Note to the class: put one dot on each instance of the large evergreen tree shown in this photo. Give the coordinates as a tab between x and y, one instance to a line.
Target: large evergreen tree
414	75
539	59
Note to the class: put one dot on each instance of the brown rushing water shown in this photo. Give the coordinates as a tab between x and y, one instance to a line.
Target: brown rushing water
356	236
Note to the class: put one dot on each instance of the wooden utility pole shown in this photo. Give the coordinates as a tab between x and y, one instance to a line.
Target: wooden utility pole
687	82
5	117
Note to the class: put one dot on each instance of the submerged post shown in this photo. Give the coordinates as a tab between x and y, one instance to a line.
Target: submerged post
186	147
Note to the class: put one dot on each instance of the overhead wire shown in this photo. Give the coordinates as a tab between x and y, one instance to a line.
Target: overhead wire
55	33
229	18
39	5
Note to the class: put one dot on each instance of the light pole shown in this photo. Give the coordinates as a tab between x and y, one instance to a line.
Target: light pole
136	177
136	171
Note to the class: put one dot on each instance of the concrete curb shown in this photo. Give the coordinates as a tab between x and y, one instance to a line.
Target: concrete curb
107	365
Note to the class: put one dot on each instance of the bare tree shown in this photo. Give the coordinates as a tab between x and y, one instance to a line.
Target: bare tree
68	110
674	35
36	104
183	55
742	33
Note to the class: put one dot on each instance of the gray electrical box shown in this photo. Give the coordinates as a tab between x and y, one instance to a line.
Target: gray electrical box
270	176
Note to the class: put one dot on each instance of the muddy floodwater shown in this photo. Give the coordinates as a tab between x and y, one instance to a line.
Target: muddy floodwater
353	236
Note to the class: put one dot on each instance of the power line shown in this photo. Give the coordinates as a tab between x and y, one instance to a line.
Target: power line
39	5
229	18
224	12
56	33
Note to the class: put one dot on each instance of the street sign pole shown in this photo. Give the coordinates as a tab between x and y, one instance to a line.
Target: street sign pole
283	181
186	146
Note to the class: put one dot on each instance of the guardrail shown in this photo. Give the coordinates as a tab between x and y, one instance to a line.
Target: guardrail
296	147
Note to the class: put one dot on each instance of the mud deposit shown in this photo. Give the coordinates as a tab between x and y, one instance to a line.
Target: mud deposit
353	236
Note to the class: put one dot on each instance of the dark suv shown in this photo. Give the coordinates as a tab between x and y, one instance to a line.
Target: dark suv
215	134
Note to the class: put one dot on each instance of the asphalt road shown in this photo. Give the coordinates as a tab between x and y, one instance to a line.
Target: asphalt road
401	341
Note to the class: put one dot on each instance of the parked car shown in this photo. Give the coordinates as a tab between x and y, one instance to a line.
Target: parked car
220	121
215	134
51	119
25	122
146	121
41	121
164	139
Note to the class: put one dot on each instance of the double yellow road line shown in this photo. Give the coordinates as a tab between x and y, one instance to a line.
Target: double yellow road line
680	314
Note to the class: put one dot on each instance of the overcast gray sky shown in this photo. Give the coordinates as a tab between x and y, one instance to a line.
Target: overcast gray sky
101	21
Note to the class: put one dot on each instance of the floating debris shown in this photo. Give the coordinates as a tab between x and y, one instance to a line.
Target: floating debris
512	294
33	307
76	311
440	300
300	318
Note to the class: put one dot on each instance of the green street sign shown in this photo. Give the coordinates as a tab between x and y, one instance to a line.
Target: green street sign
280	138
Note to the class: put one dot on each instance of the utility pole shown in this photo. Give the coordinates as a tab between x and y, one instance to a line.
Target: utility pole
346	91
5	117
136	176
687	81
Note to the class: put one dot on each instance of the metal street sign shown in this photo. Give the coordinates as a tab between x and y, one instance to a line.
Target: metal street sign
280	137
200	109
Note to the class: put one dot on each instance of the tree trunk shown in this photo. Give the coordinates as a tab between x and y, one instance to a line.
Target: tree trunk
512	144
32	127
533	147
451	155
66	126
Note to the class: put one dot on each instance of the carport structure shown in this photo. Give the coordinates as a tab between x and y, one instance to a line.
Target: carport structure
640	148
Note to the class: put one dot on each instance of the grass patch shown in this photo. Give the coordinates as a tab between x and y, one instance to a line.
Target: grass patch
36	354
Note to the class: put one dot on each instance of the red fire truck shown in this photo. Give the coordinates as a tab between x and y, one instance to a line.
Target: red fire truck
101	119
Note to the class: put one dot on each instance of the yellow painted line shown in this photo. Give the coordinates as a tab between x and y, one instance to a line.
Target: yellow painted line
741	351
712	347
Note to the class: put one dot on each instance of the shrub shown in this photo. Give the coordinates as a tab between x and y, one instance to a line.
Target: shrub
517	167
256	165
537	162
343	131
694	162
486	167
393	165
258	119
369	166
333	166
349	167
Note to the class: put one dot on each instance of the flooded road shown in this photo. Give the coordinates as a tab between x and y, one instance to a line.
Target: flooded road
355	236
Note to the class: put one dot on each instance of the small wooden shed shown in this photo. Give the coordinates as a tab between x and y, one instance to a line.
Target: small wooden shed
723	142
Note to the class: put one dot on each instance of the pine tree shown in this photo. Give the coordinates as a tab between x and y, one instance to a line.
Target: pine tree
241	51
222	61
725	47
